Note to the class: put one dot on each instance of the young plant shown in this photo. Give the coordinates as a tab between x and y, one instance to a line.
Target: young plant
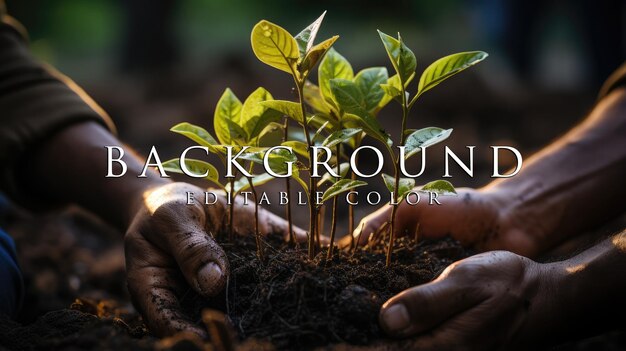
236	125
412	142
340	92
296	56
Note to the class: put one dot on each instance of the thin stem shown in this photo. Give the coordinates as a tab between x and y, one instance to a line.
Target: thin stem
333	227
231	208
405	112
257	235
357	143
292	238
312	185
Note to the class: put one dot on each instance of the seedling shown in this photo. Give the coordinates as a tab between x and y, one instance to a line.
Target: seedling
297	56
341	93
345	108
413	142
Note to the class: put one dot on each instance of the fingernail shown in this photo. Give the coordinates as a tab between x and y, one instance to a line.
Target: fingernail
209	278
396	318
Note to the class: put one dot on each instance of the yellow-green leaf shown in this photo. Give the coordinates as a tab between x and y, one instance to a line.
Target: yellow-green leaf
197	134
255	116
242	183
298	147
306	38
441	187
313	97
402	58
314	55
288	108
424	137
340	136
369	83
404	185
274	46
333	66
228	109
446	67
341	186
328	177
196	167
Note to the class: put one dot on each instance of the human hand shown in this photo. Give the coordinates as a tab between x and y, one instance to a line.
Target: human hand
490	301
477	218
170	248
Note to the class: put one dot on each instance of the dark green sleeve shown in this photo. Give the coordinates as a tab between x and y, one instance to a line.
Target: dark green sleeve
35	103
617	79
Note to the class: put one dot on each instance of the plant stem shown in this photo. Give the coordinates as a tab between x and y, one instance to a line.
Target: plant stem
405	112
333	227
312	184
357	143
231	209
292	239
257	235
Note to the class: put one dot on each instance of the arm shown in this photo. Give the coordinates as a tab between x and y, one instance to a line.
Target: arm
499	300
570	186
52	139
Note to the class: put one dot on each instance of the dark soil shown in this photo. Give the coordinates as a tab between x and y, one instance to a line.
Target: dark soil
301	304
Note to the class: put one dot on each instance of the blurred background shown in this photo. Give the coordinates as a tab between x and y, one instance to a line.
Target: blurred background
154	63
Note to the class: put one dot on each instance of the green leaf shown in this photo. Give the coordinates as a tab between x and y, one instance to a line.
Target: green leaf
369	83
313	97
328	177
274	46
254	116
402	58
298	147
194	166
306	38
404	185
228	109
314	55
348	96
288	108
393	90
272	133
197	134
424	137
238	135
296	176
446	67
332	66
242	183
441	187
370	126
340	136
341	186
277	160
319	131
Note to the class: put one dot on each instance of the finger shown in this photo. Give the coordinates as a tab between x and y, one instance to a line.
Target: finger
489	325
421	308
182	233
156	289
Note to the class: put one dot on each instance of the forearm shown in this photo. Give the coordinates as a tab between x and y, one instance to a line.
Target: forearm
580	296
71	167
575	183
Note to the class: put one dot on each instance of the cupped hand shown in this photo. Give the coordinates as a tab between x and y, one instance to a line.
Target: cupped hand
170	248
477	218
484	302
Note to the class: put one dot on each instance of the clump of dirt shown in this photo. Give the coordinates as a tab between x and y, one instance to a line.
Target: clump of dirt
297	303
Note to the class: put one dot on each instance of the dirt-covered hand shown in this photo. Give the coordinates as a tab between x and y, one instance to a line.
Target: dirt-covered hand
476	218
170	249
479	303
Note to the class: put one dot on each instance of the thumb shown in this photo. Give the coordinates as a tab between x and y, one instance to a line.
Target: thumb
201	260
